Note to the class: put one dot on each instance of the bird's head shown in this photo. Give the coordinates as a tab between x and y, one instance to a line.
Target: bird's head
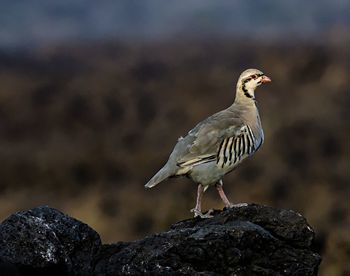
249	80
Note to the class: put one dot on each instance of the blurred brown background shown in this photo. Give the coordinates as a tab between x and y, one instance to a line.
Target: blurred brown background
93	97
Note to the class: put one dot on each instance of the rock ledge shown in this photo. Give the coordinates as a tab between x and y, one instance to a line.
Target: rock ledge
249	240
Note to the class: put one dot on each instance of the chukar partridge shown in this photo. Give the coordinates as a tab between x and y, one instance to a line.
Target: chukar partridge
216	146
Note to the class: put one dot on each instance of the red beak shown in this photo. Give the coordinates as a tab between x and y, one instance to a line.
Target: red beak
265	79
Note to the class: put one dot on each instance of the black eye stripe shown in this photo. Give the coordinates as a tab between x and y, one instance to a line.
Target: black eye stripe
255	76
252	77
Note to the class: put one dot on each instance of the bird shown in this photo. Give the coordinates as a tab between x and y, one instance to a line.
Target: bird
218	144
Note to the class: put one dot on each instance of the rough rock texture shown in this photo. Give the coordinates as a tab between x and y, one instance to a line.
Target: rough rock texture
44	240
250	240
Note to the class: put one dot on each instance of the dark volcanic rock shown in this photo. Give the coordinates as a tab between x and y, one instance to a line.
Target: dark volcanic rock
249	240
45	241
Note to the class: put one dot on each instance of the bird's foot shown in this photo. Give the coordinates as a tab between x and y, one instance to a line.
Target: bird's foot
198	213
231	205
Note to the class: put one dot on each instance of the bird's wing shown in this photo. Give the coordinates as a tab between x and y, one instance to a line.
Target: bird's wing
206	141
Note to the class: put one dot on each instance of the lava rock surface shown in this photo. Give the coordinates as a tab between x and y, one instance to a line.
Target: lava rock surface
248	240
44	241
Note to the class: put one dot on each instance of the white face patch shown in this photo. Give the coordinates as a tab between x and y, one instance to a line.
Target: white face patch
250	83
253	82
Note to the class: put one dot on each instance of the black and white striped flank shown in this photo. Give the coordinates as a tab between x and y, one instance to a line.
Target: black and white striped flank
233	149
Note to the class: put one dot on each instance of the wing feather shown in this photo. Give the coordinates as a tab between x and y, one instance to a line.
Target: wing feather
208	140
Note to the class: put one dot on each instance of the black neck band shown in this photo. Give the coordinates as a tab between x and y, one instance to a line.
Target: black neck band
246	93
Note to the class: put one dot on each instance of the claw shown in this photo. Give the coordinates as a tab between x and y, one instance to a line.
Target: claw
198	213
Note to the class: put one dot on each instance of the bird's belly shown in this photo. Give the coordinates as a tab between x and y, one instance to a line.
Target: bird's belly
206	174
211	172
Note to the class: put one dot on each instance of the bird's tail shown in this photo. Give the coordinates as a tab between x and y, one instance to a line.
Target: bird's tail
160	176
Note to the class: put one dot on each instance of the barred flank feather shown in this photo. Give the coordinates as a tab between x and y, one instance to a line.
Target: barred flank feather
233	149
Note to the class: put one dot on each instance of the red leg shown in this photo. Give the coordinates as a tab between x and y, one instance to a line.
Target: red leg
198	209
223	196
200	190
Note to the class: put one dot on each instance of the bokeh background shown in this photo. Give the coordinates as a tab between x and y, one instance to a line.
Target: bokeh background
94	94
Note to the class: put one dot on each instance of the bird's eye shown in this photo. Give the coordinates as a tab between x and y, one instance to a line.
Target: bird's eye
254	77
